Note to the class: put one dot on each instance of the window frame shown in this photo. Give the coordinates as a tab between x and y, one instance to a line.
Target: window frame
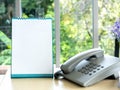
57	27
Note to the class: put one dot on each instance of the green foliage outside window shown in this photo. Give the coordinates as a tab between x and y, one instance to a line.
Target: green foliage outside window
5	55
108	13
6	14
75	24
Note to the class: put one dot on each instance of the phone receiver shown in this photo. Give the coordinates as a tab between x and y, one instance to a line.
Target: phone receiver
70	64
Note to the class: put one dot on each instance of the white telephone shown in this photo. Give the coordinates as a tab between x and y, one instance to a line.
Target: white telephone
89	67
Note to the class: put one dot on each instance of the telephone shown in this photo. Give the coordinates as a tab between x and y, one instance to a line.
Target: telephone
89	67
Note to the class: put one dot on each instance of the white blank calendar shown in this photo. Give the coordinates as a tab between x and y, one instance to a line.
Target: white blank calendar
32	47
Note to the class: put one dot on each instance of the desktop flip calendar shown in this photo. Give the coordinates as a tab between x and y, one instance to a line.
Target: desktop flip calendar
32	47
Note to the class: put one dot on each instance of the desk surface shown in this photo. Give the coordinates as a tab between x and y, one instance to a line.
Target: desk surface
51	84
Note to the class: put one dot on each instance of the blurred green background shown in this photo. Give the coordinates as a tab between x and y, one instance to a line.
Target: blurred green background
75	24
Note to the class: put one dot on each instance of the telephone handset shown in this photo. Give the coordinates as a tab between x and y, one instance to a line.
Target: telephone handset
70	64
89	67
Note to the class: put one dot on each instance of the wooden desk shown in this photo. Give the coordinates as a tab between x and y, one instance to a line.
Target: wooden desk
51	84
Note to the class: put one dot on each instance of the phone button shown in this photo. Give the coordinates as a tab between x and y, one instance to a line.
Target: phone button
90	74
90	68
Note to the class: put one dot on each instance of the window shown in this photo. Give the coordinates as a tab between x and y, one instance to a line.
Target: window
75	27
24	9
77	22
108	13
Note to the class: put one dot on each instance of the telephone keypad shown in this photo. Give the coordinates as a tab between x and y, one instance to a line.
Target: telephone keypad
90	68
